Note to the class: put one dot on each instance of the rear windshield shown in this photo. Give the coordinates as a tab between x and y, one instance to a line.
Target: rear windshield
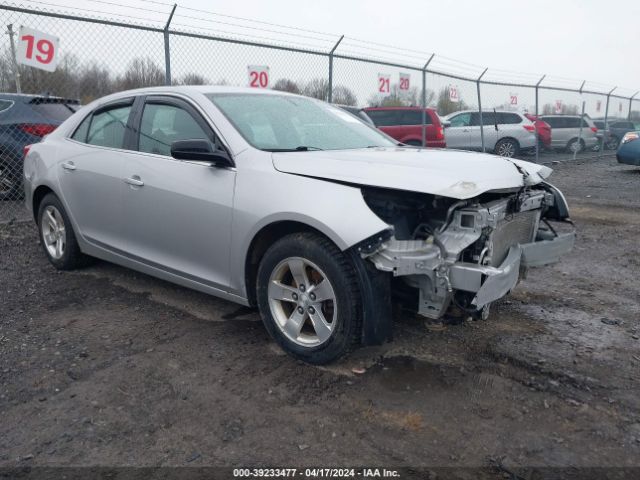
53	111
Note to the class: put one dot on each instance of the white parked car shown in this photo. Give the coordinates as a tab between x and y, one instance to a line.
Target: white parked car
505	133
291	205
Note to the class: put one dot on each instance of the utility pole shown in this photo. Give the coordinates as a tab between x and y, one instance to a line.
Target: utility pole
16	72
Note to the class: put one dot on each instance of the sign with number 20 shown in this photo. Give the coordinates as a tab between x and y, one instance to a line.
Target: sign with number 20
37	49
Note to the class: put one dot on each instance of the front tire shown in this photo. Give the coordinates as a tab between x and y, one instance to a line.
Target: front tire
57	237
309	298
507	147
613	143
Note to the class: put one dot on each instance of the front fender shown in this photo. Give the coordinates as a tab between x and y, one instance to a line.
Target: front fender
263	197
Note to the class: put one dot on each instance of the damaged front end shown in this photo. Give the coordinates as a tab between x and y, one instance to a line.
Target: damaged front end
465	254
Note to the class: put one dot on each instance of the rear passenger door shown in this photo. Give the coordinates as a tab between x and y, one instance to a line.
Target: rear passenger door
90	172
490	133
177	213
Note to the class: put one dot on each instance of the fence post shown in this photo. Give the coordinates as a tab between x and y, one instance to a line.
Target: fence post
630	104
537	138
424	100
575	150
330	93
167	53
480	109
606	117
14	63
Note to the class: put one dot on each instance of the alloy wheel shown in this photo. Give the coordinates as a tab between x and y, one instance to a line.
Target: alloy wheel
53	232
302	302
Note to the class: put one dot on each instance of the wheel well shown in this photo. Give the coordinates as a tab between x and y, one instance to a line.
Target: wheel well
259	245
38	195
514	140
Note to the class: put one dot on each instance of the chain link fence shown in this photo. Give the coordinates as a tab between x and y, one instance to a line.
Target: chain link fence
100	56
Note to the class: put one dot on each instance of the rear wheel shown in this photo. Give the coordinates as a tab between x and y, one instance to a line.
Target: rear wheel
57	236
613	143
308	298
575	145
507	147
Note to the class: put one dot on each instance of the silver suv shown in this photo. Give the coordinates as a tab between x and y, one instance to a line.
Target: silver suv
505	133
565	132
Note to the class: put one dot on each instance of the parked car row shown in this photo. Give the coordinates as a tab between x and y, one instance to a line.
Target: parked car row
512	132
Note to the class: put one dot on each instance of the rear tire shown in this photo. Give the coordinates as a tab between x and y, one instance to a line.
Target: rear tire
507	147
313	323
613	143
57	237
575	145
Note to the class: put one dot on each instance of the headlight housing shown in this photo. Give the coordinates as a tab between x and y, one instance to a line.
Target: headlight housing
630	136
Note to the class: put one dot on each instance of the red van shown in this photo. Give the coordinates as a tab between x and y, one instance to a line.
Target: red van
405	124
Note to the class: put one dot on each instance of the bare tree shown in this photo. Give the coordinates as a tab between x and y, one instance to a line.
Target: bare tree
344	96
317	88
286	85
141	72
192	79
401	98
445	106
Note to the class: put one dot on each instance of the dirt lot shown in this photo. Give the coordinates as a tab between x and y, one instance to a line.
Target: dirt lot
109	367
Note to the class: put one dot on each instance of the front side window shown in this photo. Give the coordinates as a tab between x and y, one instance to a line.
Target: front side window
108	127
384	118
462	120
275	122
164	124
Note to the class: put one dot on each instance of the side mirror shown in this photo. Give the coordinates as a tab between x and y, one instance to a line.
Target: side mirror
445	123
200	150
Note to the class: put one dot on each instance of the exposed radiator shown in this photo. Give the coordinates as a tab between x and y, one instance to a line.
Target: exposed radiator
518	228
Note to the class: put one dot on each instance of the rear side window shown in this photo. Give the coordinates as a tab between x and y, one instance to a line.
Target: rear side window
80	134
385	118
552	121
414	117
57	112
5	105
108	127
623	125
572	122
509	118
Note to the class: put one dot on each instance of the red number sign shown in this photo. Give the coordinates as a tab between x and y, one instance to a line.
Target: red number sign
258	76
37	49
454	96
404	82
558	106
513	99
384	84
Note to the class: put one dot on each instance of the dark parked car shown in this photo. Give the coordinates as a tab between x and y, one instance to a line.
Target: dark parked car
405	124
25	119
615	132
629	151
358	112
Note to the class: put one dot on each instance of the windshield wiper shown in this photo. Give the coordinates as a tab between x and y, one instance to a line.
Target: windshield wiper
301	148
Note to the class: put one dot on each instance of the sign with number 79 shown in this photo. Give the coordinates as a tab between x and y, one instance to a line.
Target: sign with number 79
37	49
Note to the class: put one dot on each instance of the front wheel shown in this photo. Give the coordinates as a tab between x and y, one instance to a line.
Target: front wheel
507	147
309	299
613	143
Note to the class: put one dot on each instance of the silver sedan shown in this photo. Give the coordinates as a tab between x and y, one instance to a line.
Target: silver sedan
290	205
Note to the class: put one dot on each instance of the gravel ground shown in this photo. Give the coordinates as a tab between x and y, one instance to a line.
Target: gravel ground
105	366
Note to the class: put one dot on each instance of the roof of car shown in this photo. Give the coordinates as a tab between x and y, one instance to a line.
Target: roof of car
396	108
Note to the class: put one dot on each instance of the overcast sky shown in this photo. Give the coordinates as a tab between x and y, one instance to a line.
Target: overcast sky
578	39
575	39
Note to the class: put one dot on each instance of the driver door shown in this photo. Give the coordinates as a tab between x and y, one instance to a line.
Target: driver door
177	213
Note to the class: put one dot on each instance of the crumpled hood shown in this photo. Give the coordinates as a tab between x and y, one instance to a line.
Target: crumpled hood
448	173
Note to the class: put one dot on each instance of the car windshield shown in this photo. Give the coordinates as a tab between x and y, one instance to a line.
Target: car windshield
291	123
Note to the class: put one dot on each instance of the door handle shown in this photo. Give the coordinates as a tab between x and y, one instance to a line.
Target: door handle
69	166
134	180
